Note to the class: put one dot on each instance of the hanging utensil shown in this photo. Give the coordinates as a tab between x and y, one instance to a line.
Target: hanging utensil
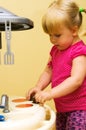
9	56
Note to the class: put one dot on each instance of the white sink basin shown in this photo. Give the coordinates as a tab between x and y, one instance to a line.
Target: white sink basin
27	118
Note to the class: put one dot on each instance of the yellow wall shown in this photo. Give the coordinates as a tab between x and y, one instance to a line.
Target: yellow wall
30	48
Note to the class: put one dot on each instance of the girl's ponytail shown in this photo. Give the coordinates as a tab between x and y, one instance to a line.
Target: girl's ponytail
83	33
82	10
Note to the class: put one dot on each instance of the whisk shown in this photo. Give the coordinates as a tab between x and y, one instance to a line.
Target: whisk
8	56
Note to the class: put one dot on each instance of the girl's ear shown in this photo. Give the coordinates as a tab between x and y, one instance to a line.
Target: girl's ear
75	30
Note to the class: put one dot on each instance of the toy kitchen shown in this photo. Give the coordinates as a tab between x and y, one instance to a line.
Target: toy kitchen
17	112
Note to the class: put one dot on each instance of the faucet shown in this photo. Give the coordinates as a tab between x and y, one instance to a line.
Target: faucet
4	103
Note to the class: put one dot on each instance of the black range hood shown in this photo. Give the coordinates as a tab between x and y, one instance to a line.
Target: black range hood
17	23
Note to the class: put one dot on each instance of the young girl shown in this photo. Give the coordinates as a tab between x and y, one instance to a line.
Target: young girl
66	67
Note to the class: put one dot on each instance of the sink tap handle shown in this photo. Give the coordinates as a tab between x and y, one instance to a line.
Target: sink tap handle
3	98
4	103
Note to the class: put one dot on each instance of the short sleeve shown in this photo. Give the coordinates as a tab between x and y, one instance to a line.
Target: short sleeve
78	50
52	51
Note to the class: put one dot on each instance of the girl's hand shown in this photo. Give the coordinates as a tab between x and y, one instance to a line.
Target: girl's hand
43	96
32	92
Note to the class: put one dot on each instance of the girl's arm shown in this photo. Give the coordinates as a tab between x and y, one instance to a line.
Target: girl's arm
45	78
43	81
78	74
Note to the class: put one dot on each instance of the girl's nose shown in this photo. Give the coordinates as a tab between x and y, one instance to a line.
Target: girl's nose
52	39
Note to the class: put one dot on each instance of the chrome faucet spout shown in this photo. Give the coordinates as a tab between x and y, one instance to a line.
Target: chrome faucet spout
4	103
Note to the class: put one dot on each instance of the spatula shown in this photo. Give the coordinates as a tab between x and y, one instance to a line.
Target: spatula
9	56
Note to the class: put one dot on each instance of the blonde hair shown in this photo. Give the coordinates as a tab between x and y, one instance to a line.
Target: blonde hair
61	12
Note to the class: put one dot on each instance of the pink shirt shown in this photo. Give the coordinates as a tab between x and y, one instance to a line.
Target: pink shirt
61	69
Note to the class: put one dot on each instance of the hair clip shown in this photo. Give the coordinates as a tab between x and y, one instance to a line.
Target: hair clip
81	10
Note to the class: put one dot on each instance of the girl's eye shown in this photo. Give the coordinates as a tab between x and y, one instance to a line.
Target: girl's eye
57	35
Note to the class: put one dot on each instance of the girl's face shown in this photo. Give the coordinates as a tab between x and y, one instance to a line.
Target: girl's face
64	38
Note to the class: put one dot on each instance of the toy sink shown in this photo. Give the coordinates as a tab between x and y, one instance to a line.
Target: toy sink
26	115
